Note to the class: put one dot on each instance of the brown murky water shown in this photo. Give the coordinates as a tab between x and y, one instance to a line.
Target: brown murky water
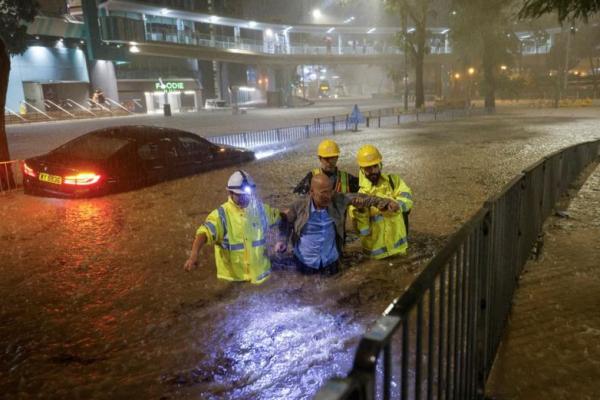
95	303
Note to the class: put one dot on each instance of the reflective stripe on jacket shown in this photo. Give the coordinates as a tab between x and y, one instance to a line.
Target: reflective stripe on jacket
383	234
342	184
239	239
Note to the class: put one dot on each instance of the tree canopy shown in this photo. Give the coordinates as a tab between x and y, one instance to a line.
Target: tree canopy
13	14
566	9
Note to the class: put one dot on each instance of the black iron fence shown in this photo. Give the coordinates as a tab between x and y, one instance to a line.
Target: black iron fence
11	175
439	339
325	126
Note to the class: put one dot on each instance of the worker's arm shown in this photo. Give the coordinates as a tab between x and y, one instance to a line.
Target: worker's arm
403	194
303	186
192	261
360	200
277	219
211	232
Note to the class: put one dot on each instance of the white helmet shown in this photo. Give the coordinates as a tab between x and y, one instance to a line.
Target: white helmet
241	182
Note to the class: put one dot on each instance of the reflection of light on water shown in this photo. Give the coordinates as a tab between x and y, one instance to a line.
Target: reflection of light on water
282	349
267	153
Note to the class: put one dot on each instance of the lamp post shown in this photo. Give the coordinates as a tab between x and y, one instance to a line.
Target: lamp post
405	51
471	72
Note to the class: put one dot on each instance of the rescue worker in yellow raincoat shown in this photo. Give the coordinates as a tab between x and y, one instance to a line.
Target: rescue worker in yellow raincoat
342	182
238	231
382	233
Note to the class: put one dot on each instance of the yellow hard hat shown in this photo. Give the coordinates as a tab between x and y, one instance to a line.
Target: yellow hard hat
368	155
328	148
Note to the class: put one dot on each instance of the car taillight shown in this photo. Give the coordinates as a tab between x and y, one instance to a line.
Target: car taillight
27	170
82	179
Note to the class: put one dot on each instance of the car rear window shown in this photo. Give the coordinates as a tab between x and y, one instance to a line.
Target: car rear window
92	147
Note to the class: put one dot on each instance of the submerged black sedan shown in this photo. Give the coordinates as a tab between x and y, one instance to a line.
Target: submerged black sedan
123	158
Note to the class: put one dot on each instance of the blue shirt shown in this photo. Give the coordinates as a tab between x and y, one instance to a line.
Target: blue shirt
316	247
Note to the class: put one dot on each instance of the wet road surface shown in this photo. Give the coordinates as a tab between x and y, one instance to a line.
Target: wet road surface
95	303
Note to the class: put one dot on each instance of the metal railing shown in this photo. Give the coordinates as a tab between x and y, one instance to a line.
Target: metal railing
439	339
66	110
324	126
10	175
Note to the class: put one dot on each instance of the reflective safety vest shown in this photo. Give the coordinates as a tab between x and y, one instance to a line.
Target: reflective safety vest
239	238
383	234
341	181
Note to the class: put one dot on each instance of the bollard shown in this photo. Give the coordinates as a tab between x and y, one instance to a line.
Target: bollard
368	121
379	121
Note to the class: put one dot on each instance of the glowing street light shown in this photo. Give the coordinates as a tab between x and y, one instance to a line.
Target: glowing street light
471	71
316	13
503	67
457	76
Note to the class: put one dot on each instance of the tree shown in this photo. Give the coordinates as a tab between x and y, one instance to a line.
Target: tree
13	13
482	35
586	49
414	41
566	9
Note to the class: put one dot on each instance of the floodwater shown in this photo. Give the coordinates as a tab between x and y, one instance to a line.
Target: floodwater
96	304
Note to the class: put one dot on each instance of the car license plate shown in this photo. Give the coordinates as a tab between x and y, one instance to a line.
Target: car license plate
50	178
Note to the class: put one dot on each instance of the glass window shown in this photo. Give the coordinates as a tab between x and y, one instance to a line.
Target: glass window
92	147
149	151
193	147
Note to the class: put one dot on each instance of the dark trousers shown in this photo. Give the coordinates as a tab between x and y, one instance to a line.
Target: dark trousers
327	270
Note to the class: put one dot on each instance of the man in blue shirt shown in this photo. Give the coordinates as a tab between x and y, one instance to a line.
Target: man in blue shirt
318	224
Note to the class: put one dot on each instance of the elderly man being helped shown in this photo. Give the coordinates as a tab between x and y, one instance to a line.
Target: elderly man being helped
318	224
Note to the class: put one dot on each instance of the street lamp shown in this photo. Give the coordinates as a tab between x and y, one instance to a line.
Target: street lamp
457	76
503	67
316	13
471	71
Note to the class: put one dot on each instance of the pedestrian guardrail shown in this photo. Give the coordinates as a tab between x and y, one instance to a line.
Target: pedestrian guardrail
438	340
324	126
10	175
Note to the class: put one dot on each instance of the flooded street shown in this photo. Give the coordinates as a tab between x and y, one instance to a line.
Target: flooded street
96	304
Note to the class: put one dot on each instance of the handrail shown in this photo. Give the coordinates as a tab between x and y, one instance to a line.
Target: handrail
80	106
59	107
459	304
118	105
138	103
37	109
100	105
8	180
14	113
